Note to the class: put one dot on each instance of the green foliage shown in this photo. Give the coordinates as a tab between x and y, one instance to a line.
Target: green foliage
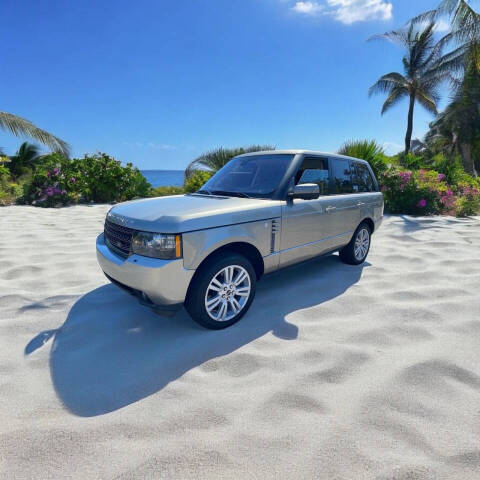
94	178
411	161
368	150
451	167
167	191
22	163
9	191
467	206
197	180
214	160
426	192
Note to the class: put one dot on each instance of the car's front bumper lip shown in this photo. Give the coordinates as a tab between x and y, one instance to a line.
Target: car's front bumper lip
164	282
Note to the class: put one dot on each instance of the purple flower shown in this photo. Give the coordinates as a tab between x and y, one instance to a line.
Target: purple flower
422	203
64	192
49	191
56	171
441	177
49	173
73	179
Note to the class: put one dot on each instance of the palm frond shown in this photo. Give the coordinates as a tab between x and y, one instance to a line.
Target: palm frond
427	101
400	37
215	159
386	83
465	22
426	17
395	96
19	126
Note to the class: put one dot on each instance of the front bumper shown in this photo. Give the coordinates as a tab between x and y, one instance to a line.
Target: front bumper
158	282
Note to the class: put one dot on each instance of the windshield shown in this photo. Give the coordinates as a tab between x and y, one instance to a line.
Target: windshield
251	176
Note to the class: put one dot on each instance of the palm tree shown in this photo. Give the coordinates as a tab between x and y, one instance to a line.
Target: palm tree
214	160
422	77
464	36
458	128
23	159
21	127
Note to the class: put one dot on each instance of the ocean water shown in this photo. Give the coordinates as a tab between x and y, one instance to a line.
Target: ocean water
163	178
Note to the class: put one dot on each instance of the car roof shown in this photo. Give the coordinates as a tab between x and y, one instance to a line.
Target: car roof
303	152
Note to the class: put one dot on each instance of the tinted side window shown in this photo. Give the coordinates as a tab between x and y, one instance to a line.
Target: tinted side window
342	178
314	170
364	178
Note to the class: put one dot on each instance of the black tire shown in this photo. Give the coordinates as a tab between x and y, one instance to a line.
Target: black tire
347	253
197	292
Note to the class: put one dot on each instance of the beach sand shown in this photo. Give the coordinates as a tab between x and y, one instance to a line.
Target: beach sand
336	372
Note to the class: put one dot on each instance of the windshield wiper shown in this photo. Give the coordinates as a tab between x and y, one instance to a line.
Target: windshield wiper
230	194
204	192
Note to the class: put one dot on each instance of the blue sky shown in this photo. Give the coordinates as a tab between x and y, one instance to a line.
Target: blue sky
159	82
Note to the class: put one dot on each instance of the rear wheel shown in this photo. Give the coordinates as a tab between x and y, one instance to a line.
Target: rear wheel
222	291
357	250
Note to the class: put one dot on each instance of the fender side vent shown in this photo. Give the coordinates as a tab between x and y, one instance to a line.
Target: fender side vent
275	230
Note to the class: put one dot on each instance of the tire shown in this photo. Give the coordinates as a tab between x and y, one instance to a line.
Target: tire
357	250
209	285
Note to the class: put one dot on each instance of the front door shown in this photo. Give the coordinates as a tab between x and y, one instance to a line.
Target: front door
307	225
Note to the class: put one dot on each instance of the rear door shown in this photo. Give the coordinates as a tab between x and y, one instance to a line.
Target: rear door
343	201
371	200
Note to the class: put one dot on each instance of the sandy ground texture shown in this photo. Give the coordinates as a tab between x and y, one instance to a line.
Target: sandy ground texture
337	372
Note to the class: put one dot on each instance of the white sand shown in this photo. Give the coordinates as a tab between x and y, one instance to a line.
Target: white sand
337	372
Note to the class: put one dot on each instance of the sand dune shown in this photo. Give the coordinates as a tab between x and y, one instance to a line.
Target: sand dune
337	372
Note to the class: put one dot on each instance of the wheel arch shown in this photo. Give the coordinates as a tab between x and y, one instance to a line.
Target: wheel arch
369	222
245	249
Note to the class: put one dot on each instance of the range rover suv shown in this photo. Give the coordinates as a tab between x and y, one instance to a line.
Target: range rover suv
261	212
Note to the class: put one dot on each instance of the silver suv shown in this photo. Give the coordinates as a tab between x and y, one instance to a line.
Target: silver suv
261	212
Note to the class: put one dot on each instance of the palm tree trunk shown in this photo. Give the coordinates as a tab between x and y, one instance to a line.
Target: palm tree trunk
408	136
467	158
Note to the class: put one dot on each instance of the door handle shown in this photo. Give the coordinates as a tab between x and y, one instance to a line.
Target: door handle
330	209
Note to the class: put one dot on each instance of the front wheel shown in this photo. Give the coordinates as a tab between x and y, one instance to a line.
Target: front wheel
222	291
357	250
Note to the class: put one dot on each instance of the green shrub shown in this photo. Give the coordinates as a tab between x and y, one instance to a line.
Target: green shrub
94	178
451	167
426	192
197	180
167	191
468	201
403	193
9	191
412	161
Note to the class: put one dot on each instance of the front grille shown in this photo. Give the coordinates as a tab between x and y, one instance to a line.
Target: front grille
118	237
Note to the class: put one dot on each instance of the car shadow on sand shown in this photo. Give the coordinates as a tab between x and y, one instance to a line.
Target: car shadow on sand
112	352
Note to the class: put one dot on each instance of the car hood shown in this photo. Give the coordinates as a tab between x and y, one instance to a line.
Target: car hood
185	213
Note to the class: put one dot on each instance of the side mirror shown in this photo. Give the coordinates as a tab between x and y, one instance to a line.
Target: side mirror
305	191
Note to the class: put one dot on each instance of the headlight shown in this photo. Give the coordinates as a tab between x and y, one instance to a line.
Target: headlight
157	245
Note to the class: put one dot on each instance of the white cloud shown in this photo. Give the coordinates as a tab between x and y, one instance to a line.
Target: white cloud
347	11
351	11
308	8
392	148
